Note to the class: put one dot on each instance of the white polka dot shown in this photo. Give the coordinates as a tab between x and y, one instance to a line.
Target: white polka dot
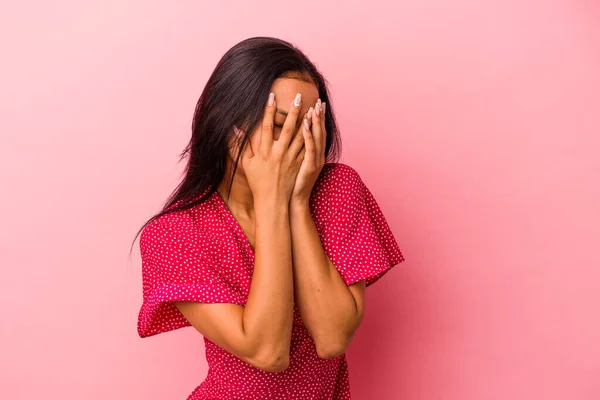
203	255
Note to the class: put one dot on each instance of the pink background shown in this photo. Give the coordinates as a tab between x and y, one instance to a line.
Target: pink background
475	124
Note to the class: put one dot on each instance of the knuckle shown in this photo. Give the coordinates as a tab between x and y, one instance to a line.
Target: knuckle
267	125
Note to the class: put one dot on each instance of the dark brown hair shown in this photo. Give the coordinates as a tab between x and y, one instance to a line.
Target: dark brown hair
235	94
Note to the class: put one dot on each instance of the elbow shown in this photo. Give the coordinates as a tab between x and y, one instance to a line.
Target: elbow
279	365
274	363
331	350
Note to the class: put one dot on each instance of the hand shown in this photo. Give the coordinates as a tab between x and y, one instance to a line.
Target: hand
315	137
271	170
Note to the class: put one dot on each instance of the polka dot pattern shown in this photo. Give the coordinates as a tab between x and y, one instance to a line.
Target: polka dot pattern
355	236
203	255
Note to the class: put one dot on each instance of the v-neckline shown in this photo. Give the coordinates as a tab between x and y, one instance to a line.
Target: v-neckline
235	223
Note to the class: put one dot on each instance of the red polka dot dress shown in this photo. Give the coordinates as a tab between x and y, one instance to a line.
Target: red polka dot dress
203	255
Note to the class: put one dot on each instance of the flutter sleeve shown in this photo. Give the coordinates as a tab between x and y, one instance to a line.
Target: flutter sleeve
175	267
356	235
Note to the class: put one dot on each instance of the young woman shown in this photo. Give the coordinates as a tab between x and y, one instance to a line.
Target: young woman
267	245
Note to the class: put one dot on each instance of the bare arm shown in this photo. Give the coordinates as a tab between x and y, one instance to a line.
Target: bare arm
331	310
260	332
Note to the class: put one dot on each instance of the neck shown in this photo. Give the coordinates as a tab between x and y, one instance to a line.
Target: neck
240	200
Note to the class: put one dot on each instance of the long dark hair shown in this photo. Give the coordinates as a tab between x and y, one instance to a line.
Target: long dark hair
235	94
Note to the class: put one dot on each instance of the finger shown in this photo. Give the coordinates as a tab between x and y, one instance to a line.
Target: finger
301	154
323	130
309	144
289	126
316	127
310	117
298	139
266	130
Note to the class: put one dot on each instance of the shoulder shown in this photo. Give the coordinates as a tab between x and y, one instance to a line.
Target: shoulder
337	171
177	227
339	181
338	190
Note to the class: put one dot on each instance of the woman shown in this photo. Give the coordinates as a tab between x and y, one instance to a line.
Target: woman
264	248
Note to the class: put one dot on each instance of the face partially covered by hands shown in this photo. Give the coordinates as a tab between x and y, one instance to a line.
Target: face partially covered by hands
308	127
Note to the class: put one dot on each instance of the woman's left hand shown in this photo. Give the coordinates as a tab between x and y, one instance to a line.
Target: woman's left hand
315	138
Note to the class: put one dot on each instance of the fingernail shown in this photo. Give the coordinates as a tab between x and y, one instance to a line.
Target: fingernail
310	111
317	110
319	101
306	125
271	99
297	100
324	105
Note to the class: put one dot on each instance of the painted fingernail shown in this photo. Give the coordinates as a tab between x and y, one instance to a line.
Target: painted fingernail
318	110
271	99
324	105
306	125
310	111
297	100
319	101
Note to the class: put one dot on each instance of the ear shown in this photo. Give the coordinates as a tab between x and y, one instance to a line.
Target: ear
239	136
238	132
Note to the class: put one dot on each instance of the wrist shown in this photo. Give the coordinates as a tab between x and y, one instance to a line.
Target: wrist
299	205
271	204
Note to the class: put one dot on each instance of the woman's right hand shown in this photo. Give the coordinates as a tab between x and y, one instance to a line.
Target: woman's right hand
271	169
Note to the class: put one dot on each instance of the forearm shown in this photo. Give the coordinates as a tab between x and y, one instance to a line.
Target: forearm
268	315
327	306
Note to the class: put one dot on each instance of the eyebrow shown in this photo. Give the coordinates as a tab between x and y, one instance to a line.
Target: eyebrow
282	112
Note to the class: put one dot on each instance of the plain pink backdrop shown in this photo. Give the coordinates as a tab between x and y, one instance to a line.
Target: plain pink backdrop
475	124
